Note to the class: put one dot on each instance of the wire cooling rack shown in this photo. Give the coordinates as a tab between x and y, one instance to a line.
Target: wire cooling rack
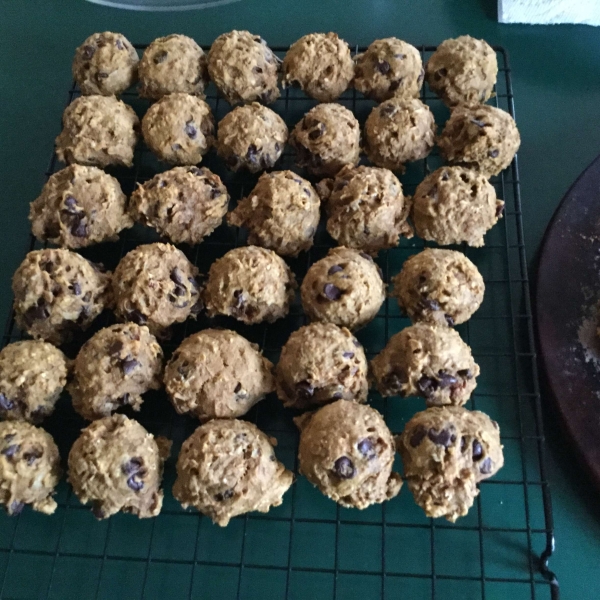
309	548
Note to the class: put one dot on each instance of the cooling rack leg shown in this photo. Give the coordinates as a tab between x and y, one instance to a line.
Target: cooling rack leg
545	570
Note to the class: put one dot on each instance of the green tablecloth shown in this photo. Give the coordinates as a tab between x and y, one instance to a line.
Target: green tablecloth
556	77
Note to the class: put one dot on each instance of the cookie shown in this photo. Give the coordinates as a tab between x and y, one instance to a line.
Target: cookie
366	209
454	205
106	63
98	131
281	213
172	64
228	468
399	131
347	452
344	288
320	363
58	292
156	285
117	466
320	64
33	374
243	68
439	286
326	139
251	137
250	284
462	71
113	369
29	468
217	374
179	129
389	68
446	451
79	206
483	138
430	361
184	205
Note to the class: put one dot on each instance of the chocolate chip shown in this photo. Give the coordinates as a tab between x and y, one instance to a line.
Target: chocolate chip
466	373
87	297
442	437
477	450
366	256
463	443
224	496
196	308
445	176
493	153
449	320
190	130
344	468
119	44
446	379
124	400
252	154
87	52
75	288
257	70
176	147
421	75
305	390
383	66
486	466
357	343
9	437
11	450
180	291
394	85
441	73
137	317
348	354
428	304
98	511
392	382
79	227
400	56
5	403
366	448
160	57
177	276
39	312
499	210
134	483
133	465
389	109
318	132
427	386
477	122
332	292
335	269
84	315
239	299
16	507
116	347
101	75
130	365
238	387
337	396
71	205
33	455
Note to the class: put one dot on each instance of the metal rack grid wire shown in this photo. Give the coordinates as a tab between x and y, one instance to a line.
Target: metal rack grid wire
309	547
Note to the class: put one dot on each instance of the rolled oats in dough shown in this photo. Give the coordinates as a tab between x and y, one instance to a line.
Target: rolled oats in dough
216	373
439	286
347	451
227	468
281	213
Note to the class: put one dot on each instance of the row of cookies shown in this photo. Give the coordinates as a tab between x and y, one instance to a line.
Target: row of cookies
180	130
80	206
244	69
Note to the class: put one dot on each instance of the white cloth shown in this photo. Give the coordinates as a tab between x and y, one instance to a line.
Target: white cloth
543	12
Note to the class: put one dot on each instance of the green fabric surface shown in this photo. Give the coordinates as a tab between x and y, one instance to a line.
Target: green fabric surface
556	79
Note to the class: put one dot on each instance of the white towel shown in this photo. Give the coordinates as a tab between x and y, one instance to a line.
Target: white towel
544	12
